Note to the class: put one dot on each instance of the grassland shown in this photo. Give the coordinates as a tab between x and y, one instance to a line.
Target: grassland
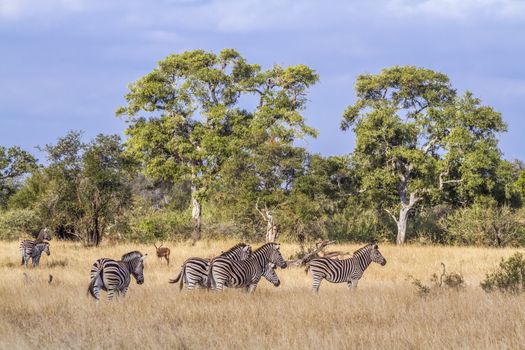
384	312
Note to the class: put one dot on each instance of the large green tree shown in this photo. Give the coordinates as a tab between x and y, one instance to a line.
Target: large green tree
14	163
186	117
416	138
84	187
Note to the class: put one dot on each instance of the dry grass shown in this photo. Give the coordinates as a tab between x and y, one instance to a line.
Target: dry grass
384	312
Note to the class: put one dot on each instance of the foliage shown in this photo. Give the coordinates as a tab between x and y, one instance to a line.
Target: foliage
14	163
415	138
484	223
82	190
508	277
451	281
196	123
15	224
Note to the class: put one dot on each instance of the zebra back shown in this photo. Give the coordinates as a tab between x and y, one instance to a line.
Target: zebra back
226	272
131	255
240	251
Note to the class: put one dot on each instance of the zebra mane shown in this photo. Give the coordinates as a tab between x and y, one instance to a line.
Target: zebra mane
264	247
238	245
131	255
364	249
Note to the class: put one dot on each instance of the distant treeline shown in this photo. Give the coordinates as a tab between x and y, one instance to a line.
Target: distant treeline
196	162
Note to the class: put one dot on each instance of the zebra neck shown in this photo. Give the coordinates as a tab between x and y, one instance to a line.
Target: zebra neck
363	262
261	257
129	265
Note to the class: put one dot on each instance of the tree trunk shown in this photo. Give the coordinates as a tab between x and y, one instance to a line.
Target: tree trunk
402	225
195	215
272	229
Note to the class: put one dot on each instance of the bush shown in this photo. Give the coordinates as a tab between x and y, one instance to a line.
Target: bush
451	281
15	224
508	277
485	224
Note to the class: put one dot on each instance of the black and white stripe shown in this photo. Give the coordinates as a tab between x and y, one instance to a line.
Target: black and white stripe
115	276
30	249
246	274
347	270
194	271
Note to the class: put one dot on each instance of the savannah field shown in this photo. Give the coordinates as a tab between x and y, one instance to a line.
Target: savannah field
384	312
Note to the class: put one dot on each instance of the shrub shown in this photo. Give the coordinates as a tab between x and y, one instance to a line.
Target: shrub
484	224
158	225
508	277
451	281
14	224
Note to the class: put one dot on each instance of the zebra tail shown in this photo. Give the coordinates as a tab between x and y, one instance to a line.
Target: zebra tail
92	284
211	281
179	277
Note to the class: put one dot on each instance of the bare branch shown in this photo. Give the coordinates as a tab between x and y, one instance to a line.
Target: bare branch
390	213
319	247
260	212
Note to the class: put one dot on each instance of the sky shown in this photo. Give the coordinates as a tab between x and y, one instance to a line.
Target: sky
65	64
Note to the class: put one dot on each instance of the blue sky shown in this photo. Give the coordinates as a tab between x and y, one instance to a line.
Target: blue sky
65	64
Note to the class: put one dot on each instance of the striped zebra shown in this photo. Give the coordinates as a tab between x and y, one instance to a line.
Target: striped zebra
270	275
194	271
115	276
246	274
347	270
30	249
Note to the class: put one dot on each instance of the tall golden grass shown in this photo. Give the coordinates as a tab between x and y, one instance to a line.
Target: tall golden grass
384	312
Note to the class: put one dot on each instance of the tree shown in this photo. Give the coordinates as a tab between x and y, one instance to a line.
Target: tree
14	163
104	189
195	122
415	138
82	190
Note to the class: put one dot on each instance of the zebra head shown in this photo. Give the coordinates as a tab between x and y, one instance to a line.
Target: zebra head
376	256
43	247
276	257
137	268
270	275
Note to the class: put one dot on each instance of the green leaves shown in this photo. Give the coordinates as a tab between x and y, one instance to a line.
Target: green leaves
410	124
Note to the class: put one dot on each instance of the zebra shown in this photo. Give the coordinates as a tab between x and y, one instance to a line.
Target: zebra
194	271
26	246
347	270
33	249
115	276
270	275
246	274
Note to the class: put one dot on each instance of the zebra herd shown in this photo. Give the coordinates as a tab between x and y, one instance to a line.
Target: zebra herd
238	267
33	249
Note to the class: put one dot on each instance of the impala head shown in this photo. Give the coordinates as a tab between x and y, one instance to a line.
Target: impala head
270	275
137	271
276	257
376	256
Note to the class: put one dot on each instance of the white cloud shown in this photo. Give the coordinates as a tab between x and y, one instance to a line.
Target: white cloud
459	9
16	9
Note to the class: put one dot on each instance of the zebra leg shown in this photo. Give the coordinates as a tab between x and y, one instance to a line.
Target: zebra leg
111	293
251	288
190	285
123	291
352	284
316	283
